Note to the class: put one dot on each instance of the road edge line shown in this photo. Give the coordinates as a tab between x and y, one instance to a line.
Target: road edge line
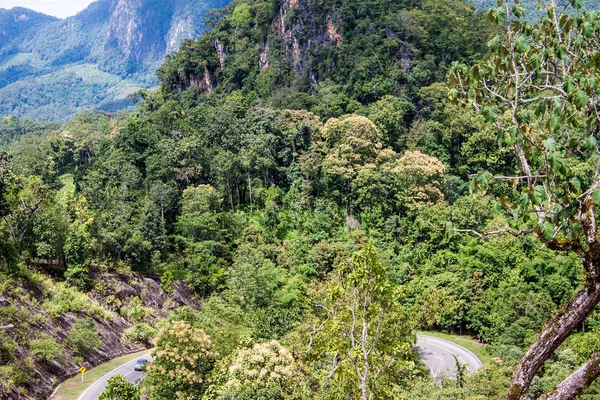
106	374
456	344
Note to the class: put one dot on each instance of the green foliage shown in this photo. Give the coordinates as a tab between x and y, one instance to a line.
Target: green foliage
17	373
362	328
45	349
118	388
136	312
140	333
84	336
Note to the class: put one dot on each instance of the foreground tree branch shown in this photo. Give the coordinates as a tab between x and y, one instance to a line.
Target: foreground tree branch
555	333
540	87
576	382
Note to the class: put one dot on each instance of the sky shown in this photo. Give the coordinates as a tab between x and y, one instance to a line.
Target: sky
57	8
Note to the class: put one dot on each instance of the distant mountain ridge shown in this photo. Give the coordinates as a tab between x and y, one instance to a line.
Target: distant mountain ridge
18	20
51	68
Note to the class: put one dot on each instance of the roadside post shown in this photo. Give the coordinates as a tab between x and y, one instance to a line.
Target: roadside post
82	370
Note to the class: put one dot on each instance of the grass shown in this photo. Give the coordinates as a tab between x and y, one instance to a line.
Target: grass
73	387
467	342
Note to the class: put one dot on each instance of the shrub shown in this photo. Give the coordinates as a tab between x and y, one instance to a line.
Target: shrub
136	312
62	299
119	389
78	275
18	373
84	336
141	333
8	348
45	349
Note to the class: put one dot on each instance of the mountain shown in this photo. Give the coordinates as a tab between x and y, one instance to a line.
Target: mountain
349	53
52	69
16	21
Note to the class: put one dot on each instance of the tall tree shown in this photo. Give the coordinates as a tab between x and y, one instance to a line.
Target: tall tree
539	87
363	334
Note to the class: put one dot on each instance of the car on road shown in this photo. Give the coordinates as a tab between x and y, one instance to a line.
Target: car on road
140	365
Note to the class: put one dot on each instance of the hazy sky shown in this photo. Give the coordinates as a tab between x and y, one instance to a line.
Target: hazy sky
58	8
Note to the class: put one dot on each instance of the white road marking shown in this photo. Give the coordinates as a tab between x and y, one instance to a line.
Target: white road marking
441	356
107	374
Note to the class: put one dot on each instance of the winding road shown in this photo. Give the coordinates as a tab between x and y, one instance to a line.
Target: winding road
438	355
126	370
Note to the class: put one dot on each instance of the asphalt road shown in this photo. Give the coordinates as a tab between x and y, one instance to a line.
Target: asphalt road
438	355
126	370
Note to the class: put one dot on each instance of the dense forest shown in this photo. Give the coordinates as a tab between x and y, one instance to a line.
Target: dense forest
330	177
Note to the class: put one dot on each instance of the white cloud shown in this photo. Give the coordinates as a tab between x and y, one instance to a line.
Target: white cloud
58	8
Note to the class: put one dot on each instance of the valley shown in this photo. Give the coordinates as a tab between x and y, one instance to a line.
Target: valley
301	199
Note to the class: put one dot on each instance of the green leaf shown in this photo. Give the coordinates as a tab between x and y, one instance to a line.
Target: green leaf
494	43
556	162
490	114
569	85
547	230
549	144
576	184
523	200
482	179
555	123
520	44
497	15
535	60
538	195
577	4
581	98
587	29
519	10
596	196
588	144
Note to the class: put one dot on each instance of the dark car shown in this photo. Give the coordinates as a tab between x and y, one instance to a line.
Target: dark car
140	365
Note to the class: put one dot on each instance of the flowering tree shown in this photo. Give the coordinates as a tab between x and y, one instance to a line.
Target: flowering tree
418	178
265	371
184	358
343	148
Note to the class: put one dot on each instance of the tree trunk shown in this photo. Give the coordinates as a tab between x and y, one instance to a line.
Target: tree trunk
250	192
577	382
553	335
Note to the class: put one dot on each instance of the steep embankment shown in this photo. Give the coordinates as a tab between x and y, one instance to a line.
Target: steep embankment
50	330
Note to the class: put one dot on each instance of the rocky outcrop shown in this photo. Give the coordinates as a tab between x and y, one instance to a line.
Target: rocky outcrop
303	33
